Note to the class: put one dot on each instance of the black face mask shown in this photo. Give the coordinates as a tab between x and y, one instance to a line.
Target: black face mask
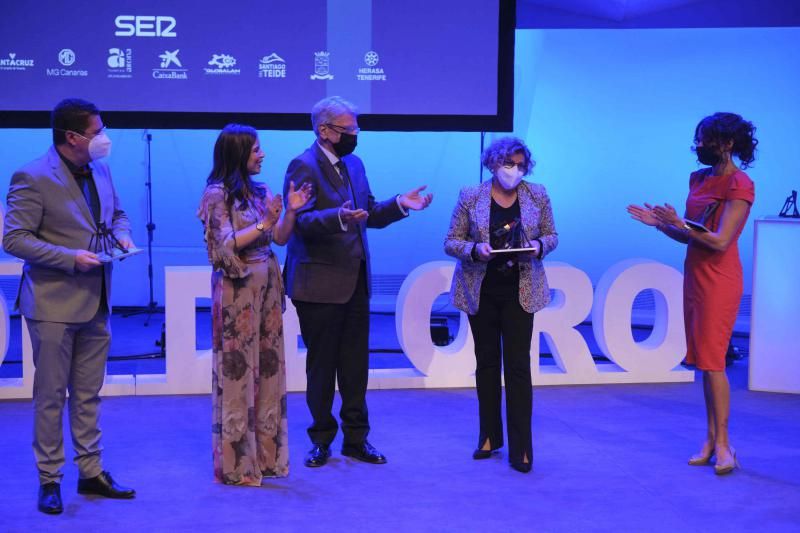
707	155
347	143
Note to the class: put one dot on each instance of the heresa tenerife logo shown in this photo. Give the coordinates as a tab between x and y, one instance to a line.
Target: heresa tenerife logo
12	63
272	66
372	72
170	59
222	64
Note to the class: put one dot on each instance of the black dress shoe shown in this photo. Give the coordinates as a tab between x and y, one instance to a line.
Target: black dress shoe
522	467
104	485
50	498
318	456
364	452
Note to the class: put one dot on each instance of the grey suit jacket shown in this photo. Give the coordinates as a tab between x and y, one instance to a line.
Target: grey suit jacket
47	221
322	260
470	225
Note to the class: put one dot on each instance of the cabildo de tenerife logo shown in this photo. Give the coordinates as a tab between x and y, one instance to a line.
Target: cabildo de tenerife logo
272	66
15	63
222	64
120	63
67	58
170	67
372	72
322	66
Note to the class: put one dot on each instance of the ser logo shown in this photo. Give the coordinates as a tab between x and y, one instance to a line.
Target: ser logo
145	26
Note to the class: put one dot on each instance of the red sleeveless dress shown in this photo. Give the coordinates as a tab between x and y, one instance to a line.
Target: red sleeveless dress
712	283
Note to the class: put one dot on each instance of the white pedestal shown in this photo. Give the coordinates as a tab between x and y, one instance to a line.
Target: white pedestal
775	322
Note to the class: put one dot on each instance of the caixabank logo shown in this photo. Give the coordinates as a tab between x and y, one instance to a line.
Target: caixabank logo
170	67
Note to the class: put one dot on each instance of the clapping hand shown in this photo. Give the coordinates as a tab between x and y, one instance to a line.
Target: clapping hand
645	214
273	206
666	214
351	215
416	201
298	198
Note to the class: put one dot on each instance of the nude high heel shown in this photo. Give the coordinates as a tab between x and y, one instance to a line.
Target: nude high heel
700	459
728	466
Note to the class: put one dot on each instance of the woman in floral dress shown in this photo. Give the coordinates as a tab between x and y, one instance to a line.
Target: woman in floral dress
241	218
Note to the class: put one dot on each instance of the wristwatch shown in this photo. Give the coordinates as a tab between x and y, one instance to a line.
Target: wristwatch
260	226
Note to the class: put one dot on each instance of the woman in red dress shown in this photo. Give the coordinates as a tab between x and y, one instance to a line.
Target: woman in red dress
719	201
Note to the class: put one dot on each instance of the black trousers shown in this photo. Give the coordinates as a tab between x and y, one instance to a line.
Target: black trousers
337	339
502	330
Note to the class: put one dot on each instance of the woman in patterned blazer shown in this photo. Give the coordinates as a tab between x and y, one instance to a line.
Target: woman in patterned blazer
500	291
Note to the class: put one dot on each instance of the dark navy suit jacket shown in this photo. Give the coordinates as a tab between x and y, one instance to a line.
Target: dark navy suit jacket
322	260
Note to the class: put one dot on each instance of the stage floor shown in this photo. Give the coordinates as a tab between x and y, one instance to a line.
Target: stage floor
606	458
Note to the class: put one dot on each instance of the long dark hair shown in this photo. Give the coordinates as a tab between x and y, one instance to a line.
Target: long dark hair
721	128
231	152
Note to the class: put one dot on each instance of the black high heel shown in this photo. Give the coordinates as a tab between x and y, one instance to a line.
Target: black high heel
480	453
483	454
522	467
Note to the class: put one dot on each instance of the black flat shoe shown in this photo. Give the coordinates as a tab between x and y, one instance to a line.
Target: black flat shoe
522	467
483	454
318	456
104	485
364	452
50	498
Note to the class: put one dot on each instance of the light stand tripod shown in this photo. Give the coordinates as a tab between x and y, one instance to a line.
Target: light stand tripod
152	305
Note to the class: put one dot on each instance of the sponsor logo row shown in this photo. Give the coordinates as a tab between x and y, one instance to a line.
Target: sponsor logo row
168	65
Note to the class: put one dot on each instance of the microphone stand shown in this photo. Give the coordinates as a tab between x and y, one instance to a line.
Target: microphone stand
152	305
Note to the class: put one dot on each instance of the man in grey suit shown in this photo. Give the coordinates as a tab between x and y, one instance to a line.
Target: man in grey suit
59	206
327	275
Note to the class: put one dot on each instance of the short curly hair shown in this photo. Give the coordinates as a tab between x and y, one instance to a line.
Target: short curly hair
721	128
502	150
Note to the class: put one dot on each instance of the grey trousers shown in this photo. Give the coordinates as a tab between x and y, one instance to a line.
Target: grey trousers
68	357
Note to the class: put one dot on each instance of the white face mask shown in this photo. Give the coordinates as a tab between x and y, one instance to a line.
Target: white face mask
508	178
99	146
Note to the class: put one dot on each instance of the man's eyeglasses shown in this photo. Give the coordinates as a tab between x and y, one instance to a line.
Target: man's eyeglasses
342	129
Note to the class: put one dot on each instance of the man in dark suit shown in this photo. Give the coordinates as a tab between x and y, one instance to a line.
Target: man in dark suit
327	274
58	206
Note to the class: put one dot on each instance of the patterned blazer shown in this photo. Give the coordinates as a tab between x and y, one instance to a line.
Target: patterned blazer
470	224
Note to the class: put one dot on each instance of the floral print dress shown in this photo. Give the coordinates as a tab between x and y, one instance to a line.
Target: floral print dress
249	428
